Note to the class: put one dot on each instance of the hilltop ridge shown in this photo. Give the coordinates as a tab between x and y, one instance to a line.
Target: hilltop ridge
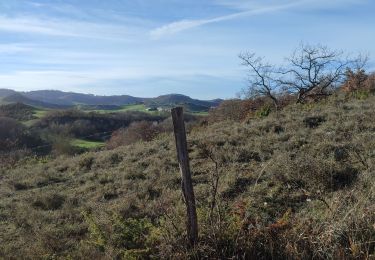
61	99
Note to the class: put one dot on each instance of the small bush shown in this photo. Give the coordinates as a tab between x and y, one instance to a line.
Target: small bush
137	131
314	121
263	111
239	110
244	156
86	163
20	186
344	177
49	202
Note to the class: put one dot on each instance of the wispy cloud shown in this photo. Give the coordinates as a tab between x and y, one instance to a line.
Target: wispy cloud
135	82
182	25
55	79
31	25
70	79
248	8
12	48
66	27
247	4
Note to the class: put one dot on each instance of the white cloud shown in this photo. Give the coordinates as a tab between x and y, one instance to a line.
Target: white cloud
12	48
248	4
65	27
249	8
95	78
182	25
30	25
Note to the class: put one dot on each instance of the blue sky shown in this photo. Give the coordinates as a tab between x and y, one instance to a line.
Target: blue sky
152	47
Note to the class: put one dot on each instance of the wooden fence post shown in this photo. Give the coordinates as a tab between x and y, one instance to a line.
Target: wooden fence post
187	186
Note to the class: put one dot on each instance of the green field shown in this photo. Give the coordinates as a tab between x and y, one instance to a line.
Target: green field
40	112
129	108
87	144
203	113
135	107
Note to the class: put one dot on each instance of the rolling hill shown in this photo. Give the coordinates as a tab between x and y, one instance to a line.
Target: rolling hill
19	98
60	99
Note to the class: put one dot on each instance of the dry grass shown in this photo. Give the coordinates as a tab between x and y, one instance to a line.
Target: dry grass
287	189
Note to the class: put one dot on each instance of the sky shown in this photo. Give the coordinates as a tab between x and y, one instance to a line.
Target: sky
148	48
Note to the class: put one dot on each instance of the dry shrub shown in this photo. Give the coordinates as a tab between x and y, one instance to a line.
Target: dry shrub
355	80
286	99
237	109
137	131
10	158
359	83
49	201
147	131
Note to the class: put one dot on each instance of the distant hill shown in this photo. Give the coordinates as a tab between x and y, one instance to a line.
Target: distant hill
175	99
19	98
6	92
71	98
60	99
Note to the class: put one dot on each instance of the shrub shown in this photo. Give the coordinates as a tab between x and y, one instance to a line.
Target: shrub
14	136
238	110
358	84
314	121
86	163
20	186
127	238
61	145
263	111
137	131
95	125
18	111
355	80
49	201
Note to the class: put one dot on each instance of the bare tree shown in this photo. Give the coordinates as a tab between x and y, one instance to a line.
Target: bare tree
262	80
314	71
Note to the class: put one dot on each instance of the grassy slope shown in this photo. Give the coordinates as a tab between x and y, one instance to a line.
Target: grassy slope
285	190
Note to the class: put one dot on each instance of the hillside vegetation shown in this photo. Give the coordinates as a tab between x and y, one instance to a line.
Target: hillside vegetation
17	111
292	184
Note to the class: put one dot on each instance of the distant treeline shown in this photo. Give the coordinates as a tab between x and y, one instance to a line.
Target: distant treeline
92	125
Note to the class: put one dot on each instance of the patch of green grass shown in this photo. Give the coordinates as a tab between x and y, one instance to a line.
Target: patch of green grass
87	144
129	108
39	112
126	108
134	107
201	113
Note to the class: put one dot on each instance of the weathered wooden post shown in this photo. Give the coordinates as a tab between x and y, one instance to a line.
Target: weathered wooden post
187	186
